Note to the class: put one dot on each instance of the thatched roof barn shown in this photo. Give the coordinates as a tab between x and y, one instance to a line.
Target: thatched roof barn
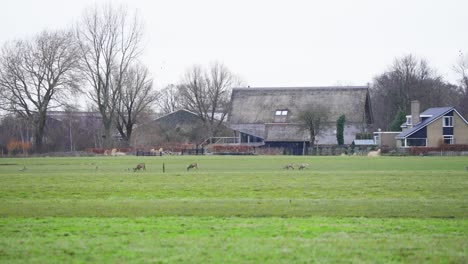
271	114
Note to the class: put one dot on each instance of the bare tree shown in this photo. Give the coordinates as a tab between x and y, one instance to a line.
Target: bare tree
136	96
314	119
207	93
35	75
461	68
170	99
109	41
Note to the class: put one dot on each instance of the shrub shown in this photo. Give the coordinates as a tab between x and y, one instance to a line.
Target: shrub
443	147
15	147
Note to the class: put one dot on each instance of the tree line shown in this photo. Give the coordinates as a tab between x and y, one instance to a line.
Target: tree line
100	58
101	52
410	78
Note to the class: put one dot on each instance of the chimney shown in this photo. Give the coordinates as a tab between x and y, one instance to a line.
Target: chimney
415	118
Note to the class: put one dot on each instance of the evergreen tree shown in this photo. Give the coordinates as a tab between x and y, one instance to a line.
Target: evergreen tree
399	119
340	129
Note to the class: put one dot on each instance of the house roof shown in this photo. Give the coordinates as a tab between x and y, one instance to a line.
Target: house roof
285	132
176	112
251	107
258	105
364	142
435	114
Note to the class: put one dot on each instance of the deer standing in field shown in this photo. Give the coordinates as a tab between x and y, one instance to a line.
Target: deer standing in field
191	166
139	167
303	166
289	166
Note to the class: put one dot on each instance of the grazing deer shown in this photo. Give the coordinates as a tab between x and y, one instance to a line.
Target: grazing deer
303	166
139	167
289	166
191	166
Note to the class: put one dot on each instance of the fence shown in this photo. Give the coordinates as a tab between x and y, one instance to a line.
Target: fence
148	153
188	151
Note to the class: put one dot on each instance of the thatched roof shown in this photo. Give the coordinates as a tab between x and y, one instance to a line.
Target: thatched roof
258	105
253	109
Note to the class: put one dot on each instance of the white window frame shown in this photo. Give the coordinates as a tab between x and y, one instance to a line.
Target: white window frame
449	137
405	143
450	121
283	112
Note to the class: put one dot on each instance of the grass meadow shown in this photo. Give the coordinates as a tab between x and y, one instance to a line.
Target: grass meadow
234	209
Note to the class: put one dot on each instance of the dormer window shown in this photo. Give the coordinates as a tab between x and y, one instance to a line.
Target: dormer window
281	113
281	116
448	121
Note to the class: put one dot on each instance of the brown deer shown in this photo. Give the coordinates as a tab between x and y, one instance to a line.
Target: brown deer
191	166
303	166
139	167
289	166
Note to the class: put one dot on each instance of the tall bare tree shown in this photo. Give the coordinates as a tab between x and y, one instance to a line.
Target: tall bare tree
136	96
110	41
207	93
461	68
169	100
314	119
36	75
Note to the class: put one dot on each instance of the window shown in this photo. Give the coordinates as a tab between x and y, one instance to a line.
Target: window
408	120
413	142
448	139
448	121
281	112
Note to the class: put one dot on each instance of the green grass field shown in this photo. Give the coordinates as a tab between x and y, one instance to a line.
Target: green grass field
234	209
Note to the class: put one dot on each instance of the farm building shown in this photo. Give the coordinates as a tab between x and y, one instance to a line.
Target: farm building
433	127
179	127
270	115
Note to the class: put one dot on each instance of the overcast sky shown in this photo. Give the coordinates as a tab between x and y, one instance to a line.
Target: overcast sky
273	43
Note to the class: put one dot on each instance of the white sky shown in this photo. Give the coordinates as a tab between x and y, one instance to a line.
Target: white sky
273	43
